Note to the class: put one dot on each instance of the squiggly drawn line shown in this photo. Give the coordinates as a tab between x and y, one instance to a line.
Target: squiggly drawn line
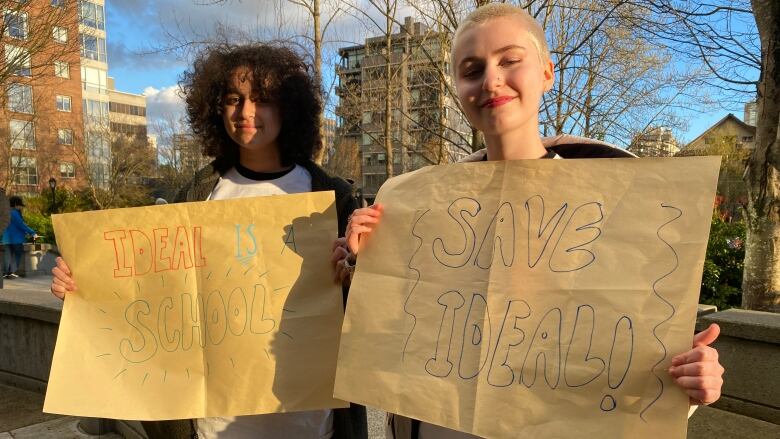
416	281
673	310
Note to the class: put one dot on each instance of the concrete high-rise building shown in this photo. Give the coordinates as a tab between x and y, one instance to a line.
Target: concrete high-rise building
425	127
751	113
126	114
94	80
41	125
128	130
187	154
655	142
328	137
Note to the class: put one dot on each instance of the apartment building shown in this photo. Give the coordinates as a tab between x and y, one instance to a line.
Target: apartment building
56	118
425	126
655	142
41	121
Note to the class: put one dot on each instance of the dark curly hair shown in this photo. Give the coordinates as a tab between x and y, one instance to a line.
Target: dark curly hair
278	75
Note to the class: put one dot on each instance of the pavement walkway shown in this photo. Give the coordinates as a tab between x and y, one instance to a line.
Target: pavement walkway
21	415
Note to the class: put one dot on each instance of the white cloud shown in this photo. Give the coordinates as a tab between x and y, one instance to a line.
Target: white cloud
163	104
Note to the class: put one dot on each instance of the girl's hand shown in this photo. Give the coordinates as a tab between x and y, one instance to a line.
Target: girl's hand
362	221
62	283
341	259
698	371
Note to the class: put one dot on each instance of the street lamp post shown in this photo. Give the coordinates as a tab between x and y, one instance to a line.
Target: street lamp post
53	187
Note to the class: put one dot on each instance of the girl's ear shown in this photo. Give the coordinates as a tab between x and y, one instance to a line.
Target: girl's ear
549	74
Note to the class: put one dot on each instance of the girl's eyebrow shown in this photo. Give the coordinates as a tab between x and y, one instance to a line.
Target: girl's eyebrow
509	47
471	59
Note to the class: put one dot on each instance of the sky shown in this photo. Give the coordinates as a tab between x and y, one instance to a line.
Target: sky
138	30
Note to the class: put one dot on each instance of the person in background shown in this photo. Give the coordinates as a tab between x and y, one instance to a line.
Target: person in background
14	237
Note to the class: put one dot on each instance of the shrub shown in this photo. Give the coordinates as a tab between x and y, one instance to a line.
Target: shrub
41	224
721	283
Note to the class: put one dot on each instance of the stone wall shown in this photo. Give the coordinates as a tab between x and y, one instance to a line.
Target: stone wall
749	349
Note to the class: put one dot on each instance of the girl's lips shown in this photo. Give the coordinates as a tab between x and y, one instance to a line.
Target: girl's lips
496	102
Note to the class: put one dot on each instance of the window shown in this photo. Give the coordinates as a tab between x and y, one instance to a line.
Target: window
22	134
366	139
20	98
96	112
366	117
24	170
15	24
58	3
18	58
67	170
98	146
64	136
92	15
93	47
132	110
381	158
61	69
374	180
93	79
63	103
60	34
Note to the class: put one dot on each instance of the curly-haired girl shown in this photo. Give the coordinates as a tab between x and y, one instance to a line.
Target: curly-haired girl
254	108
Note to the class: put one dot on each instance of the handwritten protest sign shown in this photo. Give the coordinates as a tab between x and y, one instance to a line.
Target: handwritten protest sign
538	298
190	310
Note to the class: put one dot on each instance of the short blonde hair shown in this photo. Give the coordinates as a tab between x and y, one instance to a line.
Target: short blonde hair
496	10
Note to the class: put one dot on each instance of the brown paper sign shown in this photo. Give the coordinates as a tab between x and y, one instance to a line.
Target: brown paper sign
537	298
217	308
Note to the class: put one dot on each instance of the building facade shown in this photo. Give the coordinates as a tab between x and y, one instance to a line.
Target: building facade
129	136
94	80
425	127
729	129
41	124
188	157
55	120
655	142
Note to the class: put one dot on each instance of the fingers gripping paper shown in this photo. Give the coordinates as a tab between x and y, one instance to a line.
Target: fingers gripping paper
190	310
539	298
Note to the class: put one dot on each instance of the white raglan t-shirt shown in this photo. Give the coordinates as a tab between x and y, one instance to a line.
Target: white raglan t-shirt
315	424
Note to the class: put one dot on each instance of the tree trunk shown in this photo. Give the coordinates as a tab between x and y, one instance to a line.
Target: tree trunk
388	94
761	279
320	153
